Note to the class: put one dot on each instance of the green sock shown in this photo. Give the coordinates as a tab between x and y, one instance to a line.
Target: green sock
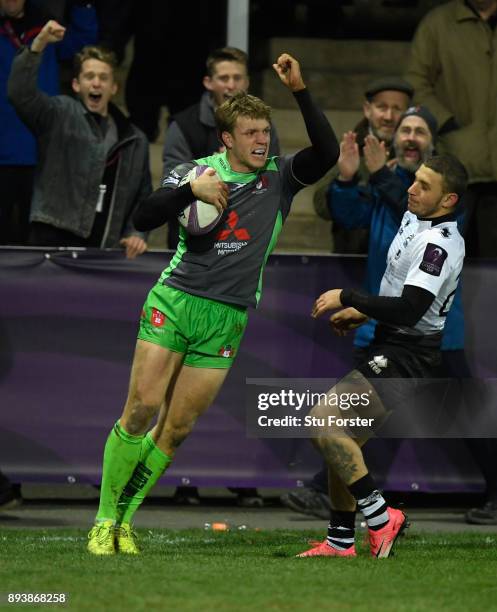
121	454
153	463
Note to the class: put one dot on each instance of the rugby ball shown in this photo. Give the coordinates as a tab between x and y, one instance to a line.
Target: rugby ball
199	217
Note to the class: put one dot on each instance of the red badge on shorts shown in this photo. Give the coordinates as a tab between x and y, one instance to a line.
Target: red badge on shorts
226	351
158	318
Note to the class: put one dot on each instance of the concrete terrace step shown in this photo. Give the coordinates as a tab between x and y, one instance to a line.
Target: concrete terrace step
291	127
336	71
343	56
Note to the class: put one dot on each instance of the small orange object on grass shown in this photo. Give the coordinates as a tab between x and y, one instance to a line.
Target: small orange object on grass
219	527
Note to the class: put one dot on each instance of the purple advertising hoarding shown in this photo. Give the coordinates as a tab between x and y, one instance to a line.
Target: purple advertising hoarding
68	324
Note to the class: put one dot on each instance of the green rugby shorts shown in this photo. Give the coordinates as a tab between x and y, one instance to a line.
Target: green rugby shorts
206	331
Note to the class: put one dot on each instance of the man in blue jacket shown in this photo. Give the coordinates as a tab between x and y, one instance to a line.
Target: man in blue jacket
385	100
20	23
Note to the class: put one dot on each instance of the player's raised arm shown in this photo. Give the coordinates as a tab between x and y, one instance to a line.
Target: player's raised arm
310	164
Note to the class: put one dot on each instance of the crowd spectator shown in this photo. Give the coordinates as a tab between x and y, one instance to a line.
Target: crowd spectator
385	99
161	72
192	133
20	22
452	68
94	164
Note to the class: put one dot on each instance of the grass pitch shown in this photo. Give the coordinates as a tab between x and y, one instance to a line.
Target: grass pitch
247	570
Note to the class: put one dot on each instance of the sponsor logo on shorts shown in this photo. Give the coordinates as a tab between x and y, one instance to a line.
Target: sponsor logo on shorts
433	259
226	351
157	318
378	363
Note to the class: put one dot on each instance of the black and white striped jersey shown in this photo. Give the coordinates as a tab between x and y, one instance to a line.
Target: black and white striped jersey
426	253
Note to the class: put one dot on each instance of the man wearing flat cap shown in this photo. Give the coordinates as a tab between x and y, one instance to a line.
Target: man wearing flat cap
385	99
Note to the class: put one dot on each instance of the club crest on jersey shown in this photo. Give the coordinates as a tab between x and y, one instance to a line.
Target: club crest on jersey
378	363
433	259
445	231
157	318
226	351
261	185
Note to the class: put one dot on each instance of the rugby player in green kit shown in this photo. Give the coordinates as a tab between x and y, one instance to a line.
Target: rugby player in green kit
194	318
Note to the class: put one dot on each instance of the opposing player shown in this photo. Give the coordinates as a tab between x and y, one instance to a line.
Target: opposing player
194	318
423	267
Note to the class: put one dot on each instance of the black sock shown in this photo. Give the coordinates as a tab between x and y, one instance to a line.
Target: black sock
341	530
370	502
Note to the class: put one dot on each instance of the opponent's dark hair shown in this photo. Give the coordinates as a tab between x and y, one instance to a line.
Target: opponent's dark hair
225	54
454	174
93	52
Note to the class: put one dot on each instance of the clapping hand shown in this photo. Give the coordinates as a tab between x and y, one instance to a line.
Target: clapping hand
348	162
375	153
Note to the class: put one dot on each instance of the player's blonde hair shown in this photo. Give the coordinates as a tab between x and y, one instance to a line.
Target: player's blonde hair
240	105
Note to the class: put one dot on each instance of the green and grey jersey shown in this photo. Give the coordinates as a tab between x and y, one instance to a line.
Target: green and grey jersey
227	264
